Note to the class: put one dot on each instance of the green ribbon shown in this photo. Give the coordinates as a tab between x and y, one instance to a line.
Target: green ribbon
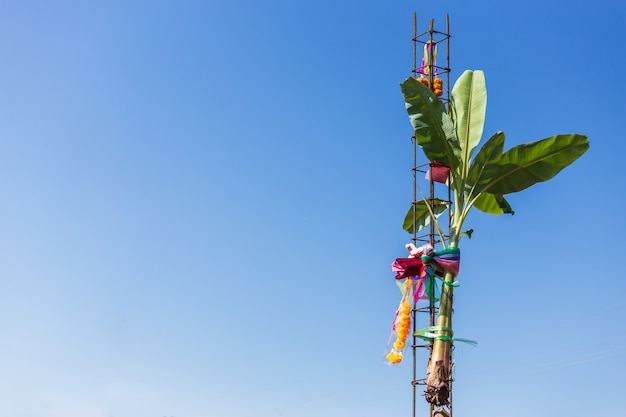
433	292
432	333
431	288
429	258
449	284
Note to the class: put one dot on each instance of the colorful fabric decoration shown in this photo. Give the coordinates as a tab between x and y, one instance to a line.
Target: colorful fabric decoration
437	261
426	64
430	54
438	172
414	276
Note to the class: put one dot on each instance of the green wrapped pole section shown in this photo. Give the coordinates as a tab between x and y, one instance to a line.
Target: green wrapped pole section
441	333
448	259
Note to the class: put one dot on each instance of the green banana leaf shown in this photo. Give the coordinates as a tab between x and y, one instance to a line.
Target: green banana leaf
527	164
493	204
431	123
422	215
452	140
468	106
485	164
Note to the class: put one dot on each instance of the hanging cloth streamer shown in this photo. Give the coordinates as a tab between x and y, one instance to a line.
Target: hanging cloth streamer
414	270
426	64
421	286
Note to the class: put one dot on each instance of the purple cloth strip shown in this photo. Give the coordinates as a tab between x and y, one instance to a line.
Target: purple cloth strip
450	262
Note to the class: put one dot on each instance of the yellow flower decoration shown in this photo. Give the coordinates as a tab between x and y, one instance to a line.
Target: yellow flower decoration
403	327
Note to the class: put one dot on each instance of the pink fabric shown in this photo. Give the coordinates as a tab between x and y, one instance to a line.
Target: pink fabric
438	172
451	265
407	267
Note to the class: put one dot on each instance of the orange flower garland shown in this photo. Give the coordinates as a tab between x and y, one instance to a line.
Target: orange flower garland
438	87
403	326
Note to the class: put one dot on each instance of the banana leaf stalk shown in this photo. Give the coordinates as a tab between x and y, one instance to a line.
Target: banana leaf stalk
438	372
480	181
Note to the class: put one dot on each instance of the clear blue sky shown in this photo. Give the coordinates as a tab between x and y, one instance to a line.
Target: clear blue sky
201	202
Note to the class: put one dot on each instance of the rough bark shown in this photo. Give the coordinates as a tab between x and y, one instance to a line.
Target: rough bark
438	388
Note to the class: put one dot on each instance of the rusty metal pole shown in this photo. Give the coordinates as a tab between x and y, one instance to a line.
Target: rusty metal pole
414	311
432	188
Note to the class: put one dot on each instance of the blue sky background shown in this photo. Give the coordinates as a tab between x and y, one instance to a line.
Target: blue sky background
201	202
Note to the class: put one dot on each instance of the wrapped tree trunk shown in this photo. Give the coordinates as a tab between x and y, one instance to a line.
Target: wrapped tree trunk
438	373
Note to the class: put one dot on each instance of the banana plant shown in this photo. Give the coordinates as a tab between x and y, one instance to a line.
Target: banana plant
450	137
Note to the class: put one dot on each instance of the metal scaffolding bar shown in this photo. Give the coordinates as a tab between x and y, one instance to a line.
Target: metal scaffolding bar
428	71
